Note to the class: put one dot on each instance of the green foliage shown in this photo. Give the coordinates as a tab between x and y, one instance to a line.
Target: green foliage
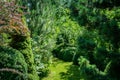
101	54
42	47
106	4
43	72
4	39
14	64
66	38
63	53
90	72
40	19
71	29
112	69
86	45
45	27
23	44
99	44
20	36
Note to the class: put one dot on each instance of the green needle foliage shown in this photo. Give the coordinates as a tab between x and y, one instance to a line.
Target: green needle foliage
100	43
12	64
19	33
85	32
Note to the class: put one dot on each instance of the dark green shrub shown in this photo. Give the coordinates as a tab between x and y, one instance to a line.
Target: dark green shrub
69	53
90	72
113	68
66	54
63	38
101	54
75	59
102	50
14	64
65	49
86	48
86	44
43	72
106	4
109	30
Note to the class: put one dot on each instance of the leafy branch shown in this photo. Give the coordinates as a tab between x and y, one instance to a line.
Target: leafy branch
11	21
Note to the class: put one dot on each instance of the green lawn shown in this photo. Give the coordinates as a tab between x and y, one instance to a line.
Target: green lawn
60	70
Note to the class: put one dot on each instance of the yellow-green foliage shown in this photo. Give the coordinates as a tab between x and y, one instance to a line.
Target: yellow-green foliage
23	44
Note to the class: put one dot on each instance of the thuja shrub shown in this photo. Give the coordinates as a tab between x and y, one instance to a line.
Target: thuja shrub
12	64
23	44
13	23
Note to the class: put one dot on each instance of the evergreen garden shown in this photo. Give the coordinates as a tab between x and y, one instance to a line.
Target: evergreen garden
59	39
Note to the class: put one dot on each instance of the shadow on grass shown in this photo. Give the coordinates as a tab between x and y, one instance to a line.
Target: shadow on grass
72	73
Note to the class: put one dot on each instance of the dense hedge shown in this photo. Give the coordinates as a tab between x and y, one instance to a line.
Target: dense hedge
98	46
13	64
23	44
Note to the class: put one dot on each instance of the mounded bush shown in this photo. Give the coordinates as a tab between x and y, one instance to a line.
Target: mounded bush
86	48
66	54
12	64
65	50
90	71
23	44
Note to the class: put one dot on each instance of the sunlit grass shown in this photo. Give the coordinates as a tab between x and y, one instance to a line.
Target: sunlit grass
60	70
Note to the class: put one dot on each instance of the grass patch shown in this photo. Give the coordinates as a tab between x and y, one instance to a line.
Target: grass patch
60	70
